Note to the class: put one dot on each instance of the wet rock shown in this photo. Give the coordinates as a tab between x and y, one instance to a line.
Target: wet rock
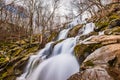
96	73
100	64
103	55
53	36
114	23
75	30
102	39
112	31
101	25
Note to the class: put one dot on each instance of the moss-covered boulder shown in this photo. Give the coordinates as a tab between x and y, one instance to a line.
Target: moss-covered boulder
13	58
101	25
75	30
112	31
114	23
102	64
52	36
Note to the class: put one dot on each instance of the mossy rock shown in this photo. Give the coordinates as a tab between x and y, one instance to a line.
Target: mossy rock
101	25
79	50
89	63
15	57
56	42
21	42
113	31
2	59
52	36
2	76
88	35
114	23
114	16
75	30
83	50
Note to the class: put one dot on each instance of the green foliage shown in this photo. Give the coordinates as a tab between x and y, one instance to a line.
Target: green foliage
74	31
114	16
3	76
77	50
101	24
89	63
52	36
12	53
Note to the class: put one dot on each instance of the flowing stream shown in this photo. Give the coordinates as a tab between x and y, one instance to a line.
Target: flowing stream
55	62
60	64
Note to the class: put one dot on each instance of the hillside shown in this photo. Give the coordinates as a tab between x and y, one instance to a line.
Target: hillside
95	44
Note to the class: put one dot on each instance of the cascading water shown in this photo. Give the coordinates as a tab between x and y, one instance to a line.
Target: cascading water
35	59
63	34
59	66
55	63
89	27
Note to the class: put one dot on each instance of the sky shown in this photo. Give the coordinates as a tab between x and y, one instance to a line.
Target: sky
65	4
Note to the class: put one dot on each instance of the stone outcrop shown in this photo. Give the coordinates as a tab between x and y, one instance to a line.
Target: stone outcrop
102	64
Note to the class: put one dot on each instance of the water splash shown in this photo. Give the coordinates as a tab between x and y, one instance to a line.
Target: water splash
89	27
63	34
59	67
60	64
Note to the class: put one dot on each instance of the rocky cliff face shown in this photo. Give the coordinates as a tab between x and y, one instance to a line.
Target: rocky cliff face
99	55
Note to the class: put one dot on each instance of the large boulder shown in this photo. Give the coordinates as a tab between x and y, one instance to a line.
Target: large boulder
96	73
103	39
103	63
106	56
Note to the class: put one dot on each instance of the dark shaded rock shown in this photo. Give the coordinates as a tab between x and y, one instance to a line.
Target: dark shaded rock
75	30
112	31
114	23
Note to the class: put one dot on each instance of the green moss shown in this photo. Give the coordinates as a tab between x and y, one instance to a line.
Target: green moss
31	50
89	63
114	16
17	52
52	36
74	31
80	50
2	60
101	25
114	31
3	76
77	49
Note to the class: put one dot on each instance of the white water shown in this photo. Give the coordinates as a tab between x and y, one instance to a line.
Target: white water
102	33
34	60
63	34
65	47
89	27
58	67
60	64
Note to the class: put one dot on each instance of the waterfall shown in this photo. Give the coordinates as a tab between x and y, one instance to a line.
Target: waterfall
60	64
89	27
35	59
63	34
